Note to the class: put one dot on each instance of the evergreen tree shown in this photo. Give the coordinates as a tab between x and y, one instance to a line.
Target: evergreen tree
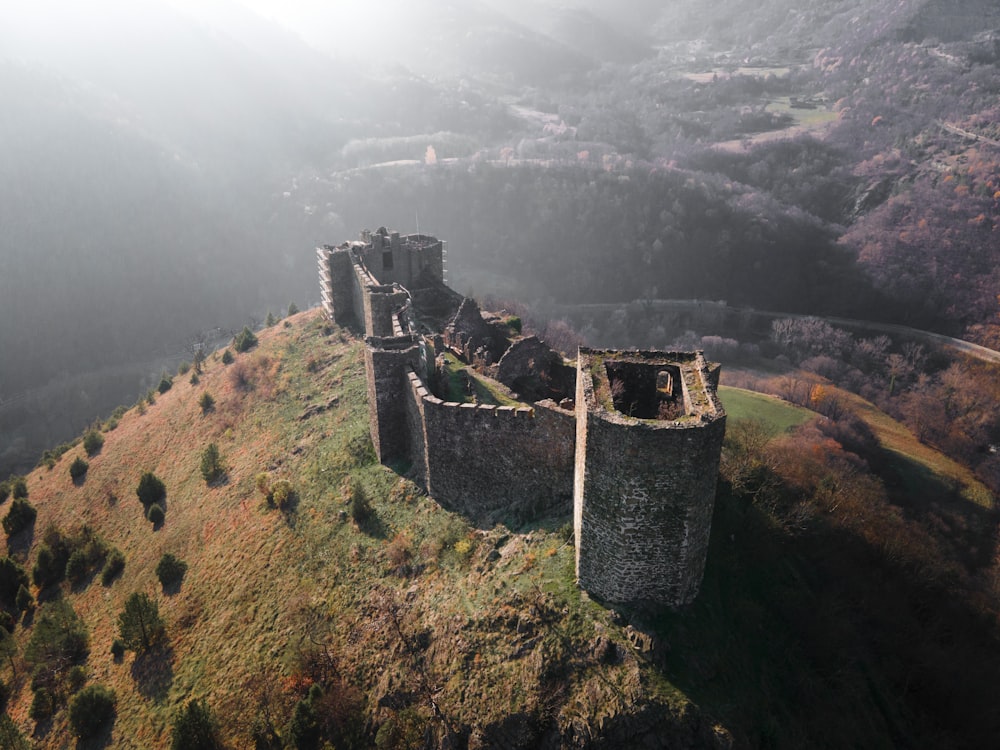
195	728
139	624
211	464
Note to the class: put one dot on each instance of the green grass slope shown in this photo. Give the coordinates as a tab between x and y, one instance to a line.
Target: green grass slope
409	620
778	415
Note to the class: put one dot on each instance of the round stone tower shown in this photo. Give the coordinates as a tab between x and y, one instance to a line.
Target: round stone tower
649	436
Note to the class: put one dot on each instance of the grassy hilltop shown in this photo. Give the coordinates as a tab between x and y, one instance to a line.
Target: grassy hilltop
355	610
404	615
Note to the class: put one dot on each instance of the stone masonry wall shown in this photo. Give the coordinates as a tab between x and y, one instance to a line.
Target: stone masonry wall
386	364
641	490
644	497
383	302
493	462
338	286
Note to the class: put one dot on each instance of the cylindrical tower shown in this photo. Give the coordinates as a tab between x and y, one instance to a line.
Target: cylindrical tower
649	436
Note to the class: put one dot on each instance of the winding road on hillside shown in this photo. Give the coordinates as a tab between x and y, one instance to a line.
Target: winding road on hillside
701	306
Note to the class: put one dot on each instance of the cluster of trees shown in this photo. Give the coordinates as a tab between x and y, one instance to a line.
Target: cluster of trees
948	401
825	502
56	651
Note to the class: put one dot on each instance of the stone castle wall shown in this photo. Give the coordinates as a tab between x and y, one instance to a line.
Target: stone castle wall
386	364
493	462
641	488
640	482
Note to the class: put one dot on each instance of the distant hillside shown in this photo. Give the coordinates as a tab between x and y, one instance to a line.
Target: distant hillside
354	609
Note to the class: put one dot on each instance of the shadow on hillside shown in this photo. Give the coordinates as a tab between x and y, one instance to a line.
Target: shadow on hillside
290	510
373	526
818	637
173	587
81	584
20	543
42	729
220	481
102	740
927	497
153	672
51	592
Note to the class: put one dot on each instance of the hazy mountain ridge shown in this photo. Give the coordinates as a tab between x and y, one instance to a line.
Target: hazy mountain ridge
217	177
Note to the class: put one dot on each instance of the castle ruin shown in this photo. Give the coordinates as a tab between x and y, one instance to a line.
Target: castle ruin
498	425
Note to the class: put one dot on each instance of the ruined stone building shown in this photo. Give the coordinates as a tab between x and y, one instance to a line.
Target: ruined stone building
499	426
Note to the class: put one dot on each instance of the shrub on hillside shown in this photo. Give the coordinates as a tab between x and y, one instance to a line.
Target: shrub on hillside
42	705
76	678
72	557
292	309
166	383
58	641
139	624
78	468
113	566
270	320
8	650
227	357
195	728
281	494
212	468
93	441
10	736
244	340
20	516
263	483
278	493
304	729
18	487
90	710
206	402
47	570
12	578
77	567
24	600
51	456
155	515
170	569
150	489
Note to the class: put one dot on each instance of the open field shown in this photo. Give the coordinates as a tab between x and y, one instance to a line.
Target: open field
780	416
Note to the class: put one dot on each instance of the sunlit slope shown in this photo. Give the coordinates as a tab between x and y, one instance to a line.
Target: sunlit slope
407	602
778	415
